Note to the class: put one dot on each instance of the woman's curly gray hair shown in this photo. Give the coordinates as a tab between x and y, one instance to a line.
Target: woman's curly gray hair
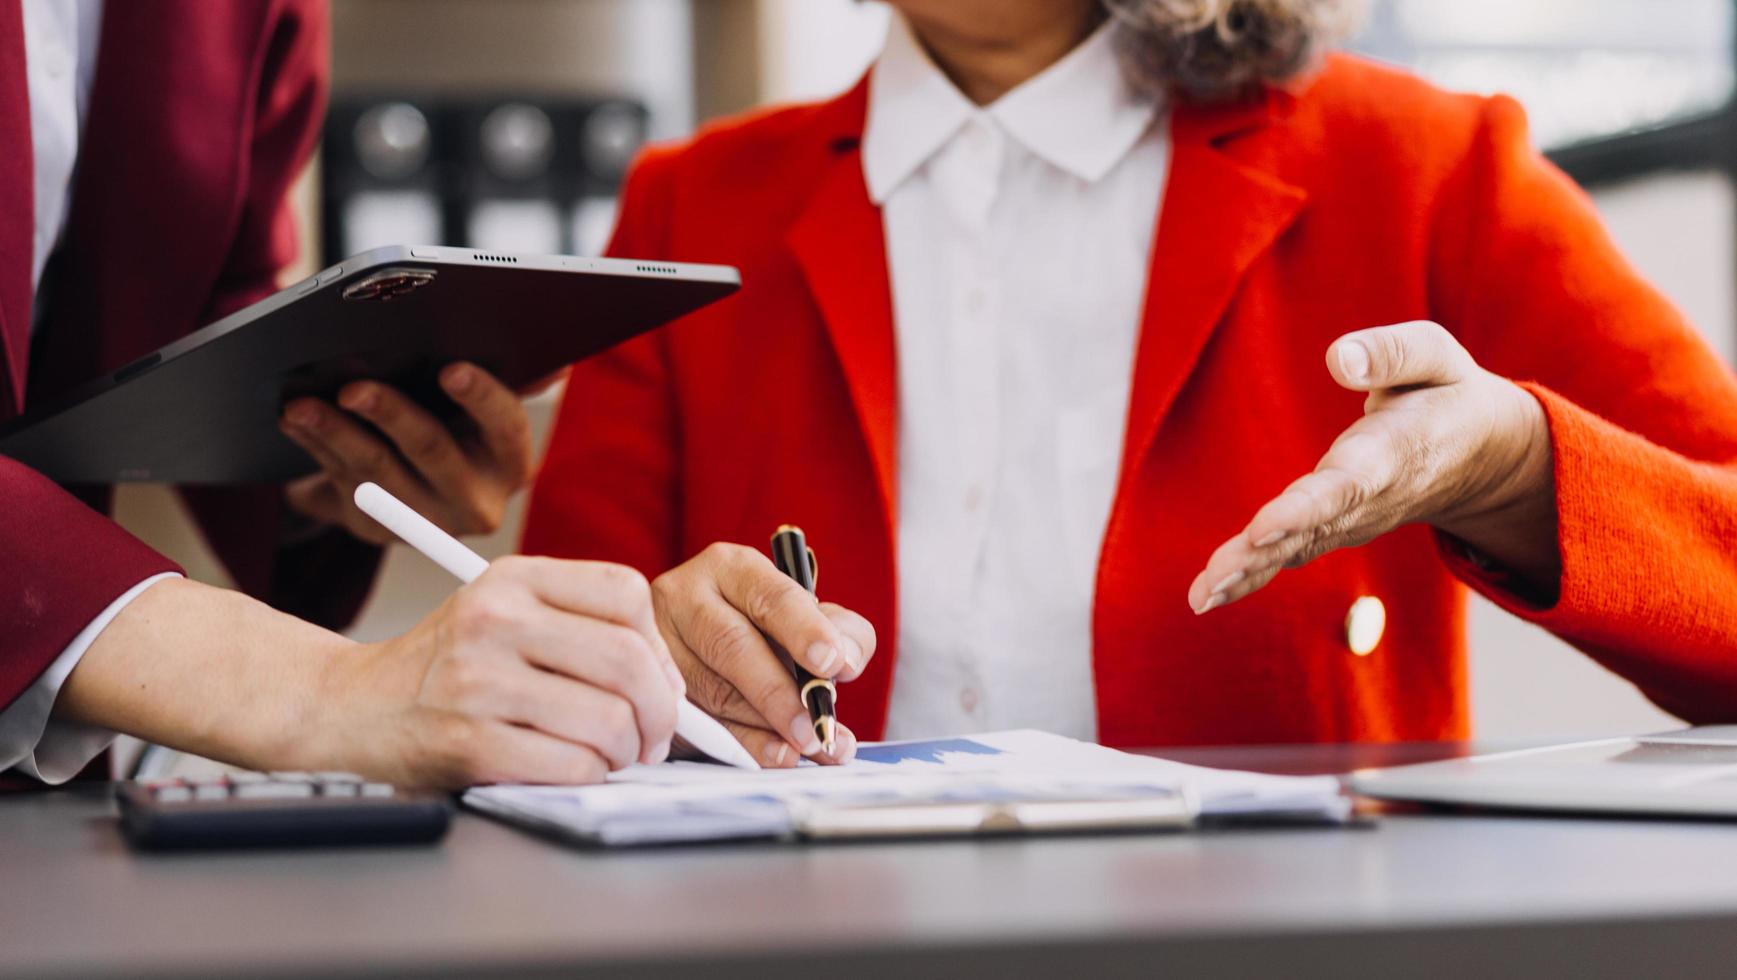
1218	49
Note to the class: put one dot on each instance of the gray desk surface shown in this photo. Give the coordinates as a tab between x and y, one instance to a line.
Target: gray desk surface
1421	895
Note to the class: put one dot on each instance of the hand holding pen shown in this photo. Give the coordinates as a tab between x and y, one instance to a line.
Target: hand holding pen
725	614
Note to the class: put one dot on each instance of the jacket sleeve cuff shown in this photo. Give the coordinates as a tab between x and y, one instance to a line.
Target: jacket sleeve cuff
1635	525
30	738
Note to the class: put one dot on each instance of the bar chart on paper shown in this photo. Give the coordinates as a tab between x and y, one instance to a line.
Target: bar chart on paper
934	751
690	801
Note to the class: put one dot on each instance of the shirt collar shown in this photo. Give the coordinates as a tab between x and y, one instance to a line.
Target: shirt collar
1079	114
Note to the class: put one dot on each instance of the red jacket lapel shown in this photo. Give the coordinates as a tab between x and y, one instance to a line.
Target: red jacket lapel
840	245
163	166
17	209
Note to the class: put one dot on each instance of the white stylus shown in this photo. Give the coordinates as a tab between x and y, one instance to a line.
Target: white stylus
699	729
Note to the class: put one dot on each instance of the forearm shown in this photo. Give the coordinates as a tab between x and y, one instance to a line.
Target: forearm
208	671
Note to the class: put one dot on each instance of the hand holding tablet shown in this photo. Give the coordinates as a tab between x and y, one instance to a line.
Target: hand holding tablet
206	409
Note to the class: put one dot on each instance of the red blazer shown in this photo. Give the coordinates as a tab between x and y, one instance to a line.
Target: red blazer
201	115
1360	197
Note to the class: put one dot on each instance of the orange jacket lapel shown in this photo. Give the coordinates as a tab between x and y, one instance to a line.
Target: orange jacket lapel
1219	215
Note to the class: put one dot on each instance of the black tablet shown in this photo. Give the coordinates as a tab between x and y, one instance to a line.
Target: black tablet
205	408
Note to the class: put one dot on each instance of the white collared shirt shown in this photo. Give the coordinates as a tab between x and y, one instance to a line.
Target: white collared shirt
60	49
1019	238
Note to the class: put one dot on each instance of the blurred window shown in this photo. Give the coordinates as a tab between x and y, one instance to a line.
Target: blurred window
1584	69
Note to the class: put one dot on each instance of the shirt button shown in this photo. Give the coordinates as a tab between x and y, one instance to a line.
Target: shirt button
1364	624
968	700
974	498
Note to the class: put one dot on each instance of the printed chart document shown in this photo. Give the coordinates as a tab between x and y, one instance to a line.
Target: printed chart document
692	801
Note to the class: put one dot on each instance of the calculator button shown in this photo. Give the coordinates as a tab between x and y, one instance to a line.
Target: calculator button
241	778
273	791
337	777
376	789
339	789
293	777
162	783
174	794
208	792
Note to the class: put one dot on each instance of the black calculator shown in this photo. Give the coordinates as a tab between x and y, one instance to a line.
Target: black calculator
278	809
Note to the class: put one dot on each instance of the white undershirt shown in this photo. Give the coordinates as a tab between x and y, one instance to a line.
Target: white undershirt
1018	242
60	49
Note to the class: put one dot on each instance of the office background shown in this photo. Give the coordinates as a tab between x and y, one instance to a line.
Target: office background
1632	96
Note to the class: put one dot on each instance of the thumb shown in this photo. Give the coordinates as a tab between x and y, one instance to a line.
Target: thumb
1405	354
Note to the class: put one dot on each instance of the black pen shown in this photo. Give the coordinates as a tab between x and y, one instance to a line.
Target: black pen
790	552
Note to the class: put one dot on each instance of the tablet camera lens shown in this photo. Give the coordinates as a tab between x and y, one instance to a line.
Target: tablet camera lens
389	284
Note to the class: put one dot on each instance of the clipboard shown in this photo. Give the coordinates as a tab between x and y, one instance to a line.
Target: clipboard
1000	818
994	784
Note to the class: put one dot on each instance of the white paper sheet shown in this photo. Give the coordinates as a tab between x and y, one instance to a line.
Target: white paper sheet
687	801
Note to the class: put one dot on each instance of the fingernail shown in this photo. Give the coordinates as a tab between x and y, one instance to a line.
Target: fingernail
458	380
1354	361
1272	538
825	658
1212	602
776	755
661	752
853	655
1225	583
303	415
802	733
358	399
846	745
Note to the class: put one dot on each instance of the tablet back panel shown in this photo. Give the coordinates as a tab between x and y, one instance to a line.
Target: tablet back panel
204	409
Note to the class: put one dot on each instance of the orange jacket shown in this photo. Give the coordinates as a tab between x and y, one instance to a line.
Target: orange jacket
1359	197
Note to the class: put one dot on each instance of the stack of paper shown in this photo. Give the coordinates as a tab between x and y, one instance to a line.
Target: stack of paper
687	801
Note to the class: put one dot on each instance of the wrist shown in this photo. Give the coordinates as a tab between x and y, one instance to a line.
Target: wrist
329	730
1515	477
1512	521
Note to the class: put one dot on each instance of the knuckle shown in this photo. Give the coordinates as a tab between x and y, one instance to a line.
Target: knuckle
769	692
515	568
615	653
761	603
1314	547
372	458
589	767
711	690
1389	353
631	587
725	554
616	717
773	597
1360	488
469	683
428	444
732	645
479	613
717	550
